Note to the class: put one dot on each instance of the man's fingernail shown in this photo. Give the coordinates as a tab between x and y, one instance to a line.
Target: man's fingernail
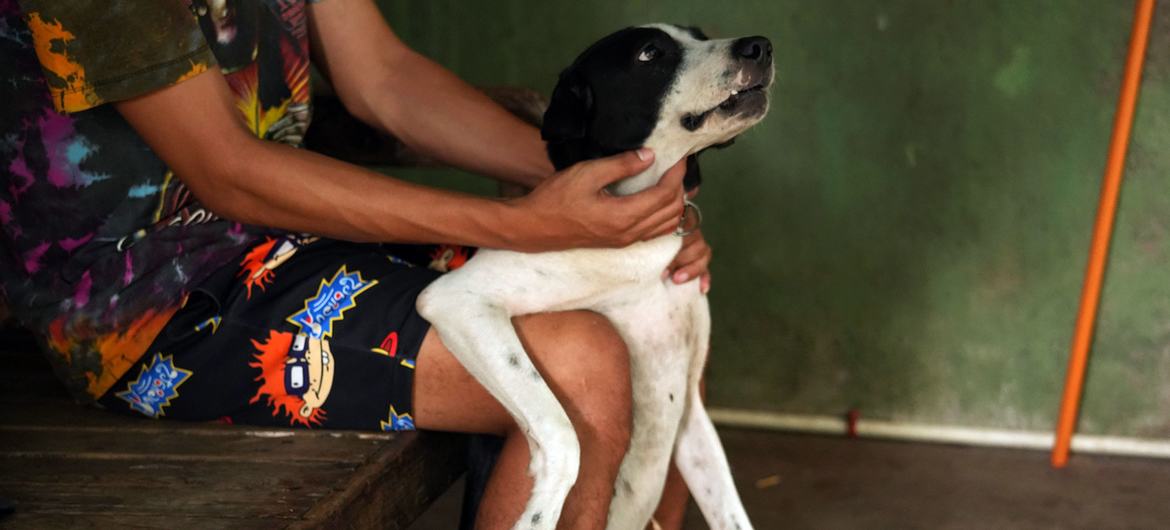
705	287
665	273
644	153
680	277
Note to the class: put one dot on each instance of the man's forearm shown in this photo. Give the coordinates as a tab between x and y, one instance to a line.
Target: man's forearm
386	84
302	191
436	113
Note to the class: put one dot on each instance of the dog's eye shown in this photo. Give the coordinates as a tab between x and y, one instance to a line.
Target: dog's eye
649	53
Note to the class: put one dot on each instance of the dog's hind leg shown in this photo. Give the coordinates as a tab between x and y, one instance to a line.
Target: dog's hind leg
478	331
698	452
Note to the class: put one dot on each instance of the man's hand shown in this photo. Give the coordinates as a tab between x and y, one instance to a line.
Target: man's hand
693	259
572	209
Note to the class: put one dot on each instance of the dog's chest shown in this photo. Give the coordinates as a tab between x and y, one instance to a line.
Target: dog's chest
638	262
571	279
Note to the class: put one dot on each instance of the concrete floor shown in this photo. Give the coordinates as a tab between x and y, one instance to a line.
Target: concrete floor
829	483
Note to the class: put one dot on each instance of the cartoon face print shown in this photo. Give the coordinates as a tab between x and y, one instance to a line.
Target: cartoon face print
296	376
447	258
259	265
309	372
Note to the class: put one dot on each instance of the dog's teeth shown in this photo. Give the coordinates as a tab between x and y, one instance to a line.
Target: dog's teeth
734	92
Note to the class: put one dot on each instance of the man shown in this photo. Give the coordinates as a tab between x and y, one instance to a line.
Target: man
156	213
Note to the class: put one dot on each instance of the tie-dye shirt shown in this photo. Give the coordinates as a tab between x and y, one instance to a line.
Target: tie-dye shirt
100	241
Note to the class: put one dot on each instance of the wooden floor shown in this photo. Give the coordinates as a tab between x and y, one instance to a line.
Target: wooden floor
69	467
825	483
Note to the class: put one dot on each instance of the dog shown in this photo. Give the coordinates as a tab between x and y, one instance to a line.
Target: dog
676	91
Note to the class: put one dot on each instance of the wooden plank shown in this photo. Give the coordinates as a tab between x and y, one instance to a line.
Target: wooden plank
152	475
186	502
127	521
178	444
395	486
388	490
64	414
379	478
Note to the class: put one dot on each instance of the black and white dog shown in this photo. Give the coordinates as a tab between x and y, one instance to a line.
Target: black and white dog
677	92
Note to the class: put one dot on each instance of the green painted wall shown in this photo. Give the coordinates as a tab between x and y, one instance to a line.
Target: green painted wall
907	231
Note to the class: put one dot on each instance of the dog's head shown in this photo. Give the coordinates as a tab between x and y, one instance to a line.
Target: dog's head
665	87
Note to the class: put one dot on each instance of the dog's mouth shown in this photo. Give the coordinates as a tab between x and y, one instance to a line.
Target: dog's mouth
736	96
751	100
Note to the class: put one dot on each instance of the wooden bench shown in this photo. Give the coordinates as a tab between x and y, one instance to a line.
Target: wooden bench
65	466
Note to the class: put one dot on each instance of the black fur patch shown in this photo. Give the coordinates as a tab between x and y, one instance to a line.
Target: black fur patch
608	101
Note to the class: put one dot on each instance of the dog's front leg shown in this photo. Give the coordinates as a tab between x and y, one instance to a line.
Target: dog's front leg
652	327
478	331
698	452
703	464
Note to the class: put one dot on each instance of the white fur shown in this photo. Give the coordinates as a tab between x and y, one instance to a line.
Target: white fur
665	326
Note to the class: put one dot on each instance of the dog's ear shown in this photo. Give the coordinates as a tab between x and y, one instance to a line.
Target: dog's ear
693	177
567	117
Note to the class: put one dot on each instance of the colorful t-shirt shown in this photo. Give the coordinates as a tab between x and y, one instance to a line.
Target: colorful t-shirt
101	242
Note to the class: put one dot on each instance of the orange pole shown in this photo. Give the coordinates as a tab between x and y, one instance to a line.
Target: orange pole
1102	231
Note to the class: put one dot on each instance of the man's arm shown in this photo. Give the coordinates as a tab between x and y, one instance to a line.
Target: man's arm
195	129
384	83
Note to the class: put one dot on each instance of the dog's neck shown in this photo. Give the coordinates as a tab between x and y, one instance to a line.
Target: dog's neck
665	157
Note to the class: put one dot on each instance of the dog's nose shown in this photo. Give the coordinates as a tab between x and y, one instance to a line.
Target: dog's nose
758	49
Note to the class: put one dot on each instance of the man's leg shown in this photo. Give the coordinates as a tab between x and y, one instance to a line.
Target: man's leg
587	367
673	506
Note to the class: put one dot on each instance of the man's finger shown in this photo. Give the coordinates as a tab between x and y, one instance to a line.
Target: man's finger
691	251
648	230
606	171
651	226
687	259
665	229
670	214
690	270
670	185
674	176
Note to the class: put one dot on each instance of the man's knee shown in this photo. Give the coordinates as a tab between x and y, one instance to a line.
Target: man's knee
588	366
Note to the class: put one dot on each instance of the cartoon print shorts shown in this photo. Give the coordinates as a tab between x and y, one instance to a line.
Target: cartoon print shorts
303	332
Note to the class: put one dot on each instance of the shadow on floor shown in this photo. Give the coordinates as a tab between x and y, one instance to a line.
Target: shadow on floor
830	483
